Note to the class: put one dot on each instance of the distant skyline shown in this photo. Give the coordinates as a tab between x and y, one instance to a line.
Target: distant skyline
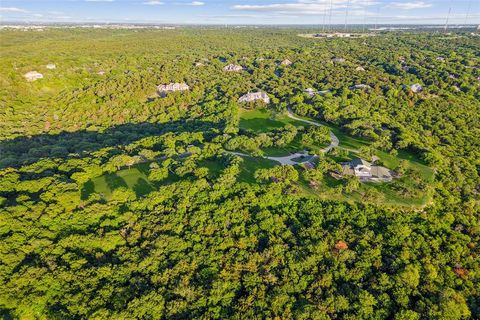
242	12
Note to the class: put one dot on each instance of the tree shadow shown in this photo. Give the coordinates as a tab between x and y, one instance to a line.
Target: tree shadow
142	187
87	189
114	181
29	149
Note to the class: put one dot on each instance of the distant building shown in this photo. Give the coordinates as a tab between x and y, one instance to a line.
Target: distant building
286	62
366	171
310	92
233	68
199	64
338	60
33	75
360	86
51	66
359	69
252	96
163	89
416	88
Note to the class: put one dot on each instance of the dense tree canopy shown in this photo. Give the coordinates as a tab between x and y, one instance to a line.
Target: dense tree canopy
116	203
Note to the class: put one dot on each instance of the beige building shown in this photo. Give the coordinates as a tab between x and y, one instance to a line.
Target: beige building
366	171
163	89
252	96
33	75
233	68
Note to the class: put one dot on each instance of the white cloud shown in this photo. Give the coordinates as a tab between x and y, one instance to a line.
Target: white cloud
12	9
307	7
153	3
410	5
197	3
99	0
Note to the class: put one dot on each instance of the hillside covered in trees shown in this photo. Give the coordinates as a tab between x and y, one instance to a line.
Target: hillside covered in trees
117	202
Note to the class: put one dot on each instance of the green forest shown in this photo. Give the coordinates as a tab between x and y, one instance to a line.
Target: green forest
118	201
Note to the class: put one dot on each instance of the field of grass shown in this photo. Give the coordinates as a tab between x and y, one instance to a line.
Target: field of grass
134	178
263	120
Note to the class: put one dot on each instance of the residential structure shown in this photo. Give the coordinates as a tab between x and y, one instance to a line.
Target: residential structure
338	60
51	66
286	62
163	89
33	75
252	96
360	86
233	68
366	171
416	88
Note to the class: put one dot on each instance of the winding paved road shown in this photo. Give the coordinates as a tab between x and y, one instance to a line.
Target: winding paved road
287	160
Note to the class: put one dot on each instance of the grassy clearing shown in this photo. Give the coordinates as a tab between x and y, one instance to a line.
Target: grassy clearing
263	120
133	178
250	165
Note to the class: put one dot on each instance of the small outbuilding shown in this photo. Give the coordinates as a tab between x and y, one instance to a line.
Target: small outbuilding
286	62
51	66
33	75
233	68
252	96
359	68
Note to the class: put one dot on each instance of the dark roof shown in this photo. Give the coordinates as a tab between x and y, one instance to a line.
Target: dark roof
357	161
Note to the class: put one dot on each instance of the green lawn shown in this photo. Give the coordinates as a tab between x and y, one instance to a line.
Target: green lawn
133	178
250	165
263	120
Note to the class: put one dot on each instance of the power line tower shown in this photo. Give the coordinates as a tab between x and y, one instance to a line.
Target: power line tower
346	15
448	17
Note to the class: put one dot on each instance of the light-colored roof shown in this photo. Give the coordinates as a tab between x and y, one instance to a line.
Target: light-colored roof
51	66
360	86
163	88
416	88
286	62
252	96
359	68
33	75
380	172
233	67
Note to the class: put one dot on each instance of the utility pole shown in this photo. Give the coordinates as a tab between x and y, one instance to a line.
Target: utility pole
448	16
346	15
468	12
330	17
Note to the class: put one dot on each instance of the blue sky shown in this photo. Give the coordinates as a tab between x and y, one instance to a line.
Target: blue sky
242	12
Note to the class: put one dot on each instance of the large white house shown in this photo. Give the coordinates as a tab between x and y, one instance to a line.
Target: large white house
163	89
366	171
252	96
33	75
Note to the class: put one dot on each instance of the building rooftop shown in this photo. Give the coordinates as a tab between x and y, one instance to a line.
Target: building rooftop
252	96
33	75
233	67
172	87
